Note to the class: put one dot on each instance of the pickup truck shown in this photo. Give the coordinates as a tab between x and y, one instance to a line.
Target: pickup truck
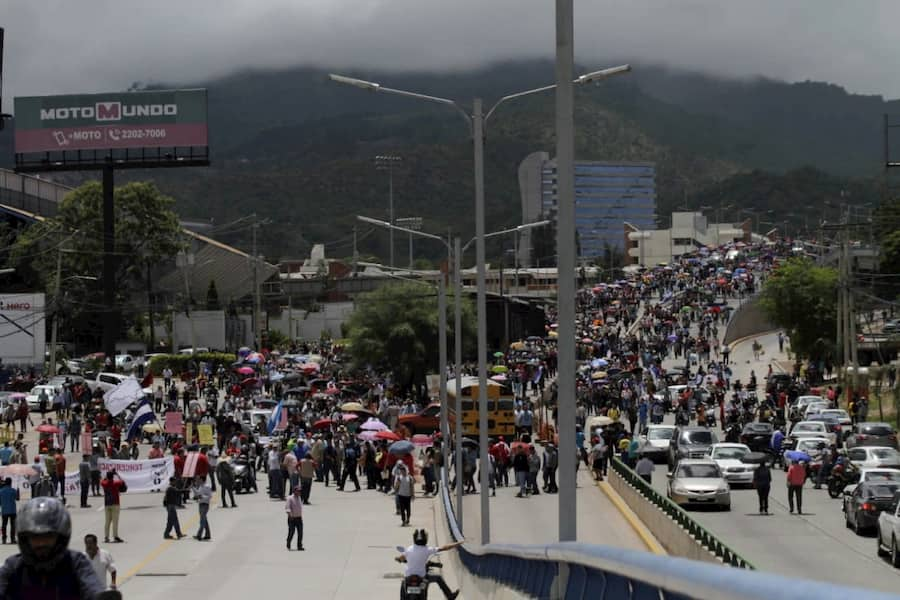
425	421
106	381
128	363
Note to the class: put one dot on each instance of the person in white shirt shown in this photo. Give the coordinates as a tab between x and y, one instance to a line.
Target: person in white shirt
416	559
203	495
101	560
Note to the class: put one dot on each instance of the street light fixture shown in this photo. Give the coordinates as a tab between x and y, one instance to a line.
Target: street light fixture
476	122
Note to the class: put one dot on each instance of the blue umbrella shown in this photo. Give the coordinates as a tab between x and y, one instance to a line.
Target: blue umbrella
244	351
599	362
797	455
401	447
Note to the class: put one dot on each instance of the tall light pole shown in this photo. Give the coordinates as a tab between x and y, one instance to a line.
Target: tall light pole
386	162
476	122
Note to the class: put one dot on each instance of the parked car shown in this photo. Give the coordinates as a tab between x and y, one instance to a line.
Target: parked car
728	457
128	363
699	481
874	456
864	504
812	429
427	420
33	397
872	433
106	381
689	442
655	443
889	531
757	436
878	474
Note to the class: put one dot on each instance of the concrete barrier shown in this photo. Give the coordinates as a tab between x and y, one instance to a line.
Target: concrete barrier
747	320
673	537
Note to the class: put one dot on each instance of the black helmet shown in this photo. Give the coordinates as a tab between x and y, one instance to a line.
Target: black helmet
420	537
40	516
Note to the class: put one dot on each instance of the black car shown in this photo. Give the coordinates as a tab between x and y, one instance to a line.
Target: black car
689	442
863	505
757	436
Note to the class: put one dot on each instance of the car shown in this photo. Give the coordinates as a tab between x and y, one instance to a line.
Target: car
698	481
814	408
840	415
427	420
655	443
878	474
871	433
798	407
33	397
689	442
757	436
891	327
812	446
812	429
256	419
864	503
728	457
832	425
190	351
874	456
888	531
128	363
106	381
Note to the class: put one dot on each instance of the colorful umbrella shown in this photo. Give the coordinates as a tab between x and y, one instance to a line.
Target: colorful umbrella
374	424
387	435
401	447
45	428
352	406
499	369
420	440
349	417
498	355
246	371
367	436
323	423
17	470
499	377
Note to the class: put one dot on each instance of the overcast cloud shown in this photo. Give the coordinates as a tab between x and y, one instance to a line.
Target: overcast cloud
62	46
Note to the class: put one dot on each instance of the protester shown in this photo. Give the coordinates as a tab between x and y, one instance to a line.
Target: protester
101	560
171	501
294	509
9	496
203	495
113	486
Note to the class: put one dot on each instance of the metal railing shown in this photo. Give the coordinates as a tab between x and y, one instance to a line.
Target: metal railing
725	553
31	193
573	571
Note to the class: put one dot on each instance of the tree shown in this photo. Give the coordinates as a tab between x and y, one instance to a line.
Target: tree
212	296
801	298
396	328
147	233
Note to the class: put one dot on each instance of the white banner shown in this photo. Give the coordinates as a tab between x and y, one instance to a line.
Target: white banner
121	396
141	476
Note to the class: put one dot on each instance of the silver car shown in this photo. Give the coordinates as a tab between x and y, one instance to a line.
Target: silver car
699	481
655	444
889	531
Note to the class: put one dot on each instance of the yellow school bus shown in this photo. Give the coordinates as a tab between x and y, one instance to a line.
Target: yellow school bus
501	408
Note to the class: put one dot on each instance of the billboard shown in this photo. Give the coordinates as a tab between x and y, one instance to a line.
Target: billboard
168	118
22	329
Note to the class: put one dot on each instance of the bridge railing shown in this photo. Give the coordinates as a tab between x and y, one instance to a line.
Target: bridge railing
31	193
573	571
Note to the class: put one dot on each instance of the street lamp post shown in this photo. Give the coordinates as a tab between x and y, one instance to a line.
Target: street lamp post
476	122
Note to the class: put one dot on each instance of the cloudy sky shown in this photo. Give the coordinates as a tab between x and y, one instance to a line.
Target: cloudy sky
61	46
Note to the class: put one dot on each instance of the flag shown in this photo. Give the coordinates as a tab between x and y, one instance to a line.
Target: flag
123	395
147	381
275	419
143	415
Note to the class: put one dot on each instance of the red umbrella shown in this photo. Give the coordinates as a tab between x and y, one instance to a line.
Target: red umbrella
420	440
323	424
349	416
516	445
386	435
246	370
250	381
45	428
332	390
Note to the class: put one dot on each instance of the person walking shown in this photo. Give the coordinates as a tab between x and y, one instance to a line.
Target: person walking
101	560
762	481
202	494
294	509
113	486
95	471
351	456
8	498
307	471
60	465
644	468
84	479
171	500
75	433
404	486
796	477
520	468
225	473
551	462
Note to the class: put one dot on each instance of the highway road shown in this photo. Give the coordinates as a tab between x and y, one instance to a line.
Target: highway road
816	544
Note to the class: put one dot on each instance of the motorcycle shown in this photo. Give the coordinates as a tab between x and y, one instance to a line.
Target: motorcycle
839	479
415	587
243	476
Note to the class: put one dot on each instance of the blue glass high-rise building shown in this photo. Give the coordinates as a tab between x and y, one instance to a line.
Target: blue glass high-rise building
607	194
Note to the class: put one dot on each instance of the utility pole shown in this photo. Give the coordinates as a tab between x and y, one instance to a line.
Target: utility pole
386	162
56	311
256	300
355	251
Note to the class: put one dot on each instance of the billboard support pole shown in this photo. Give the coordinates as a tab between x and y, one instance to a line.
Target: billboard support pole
111	321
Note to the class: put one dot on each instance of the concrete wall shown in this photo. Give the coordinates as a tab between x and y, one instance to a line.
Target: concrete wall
747	320
670	534
304	325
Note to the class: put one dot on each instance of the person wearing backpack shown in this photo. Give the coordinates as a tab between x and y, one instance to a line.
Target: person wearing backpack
351	456
112	486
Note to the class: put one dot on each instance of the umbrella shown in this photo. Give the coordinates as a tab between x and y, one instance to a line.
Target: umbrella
514	447
265	402
17	396
387	435
276	376
598	375
349	417
246	370
16	470
420	440
499	377
244	351
599	362
367	436
45	428
401	447
323	424
552	334
499	369
310	367
532	338
798	456
352	406
498	355
249	382
254	357
332	391
755	458
586	340
373	424
291	377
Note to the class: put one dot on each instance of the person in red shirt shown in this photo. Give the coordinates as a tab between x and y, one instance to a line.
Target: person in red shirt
61	472
202	469
796	477
155	451
113	486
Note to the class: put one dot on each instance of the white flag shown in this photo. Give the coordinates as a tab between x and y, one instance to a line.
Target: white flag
121	396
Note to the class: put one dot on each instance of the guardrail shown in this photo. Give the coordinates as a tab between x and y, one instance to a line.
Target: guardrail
574	571
678	514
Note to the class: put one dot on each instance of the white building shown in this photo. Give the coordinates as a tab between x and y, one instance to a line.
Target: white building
689	232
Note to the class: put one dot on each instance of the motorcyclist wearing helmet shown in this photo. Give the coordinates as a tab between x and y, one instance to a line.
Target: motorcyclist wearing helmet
45	567
416	559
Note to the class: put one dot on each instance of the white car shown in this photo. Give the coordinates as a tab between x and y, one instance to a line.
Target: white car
878	474
106	381
874	457
728	457
815	408
812	445
127	362
655	444
812	429
888	531
839	414
800	404
33	397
